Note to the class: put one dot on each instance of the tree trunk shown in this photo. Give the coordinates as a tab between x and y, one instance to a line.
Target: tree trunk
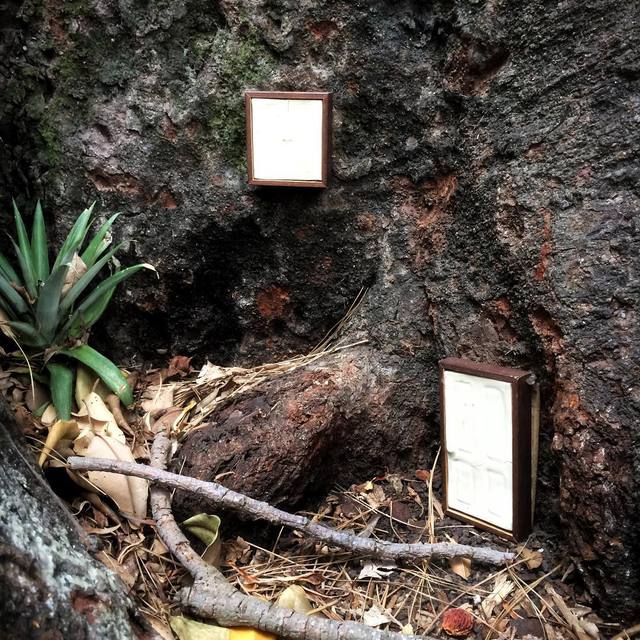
484	187
51	586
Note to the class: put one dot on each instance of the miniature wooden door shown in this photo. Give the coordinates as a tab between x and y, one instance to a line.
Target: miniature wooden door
486	418
479	448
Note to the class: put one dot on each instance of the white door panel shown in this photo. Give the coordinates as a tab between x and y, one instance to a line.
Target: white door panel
479	447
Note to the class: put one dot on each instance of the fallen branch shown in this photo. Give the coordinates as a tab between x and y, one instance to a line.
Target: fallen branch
211	596
258	510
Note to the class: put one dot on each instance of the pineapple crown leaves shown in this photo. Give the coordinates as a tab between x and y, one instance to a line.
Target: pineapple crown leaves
51	308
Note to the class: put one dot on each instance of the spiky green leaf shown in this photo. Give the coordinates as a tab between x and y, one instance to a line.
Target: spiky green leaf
61	385
108	285
7	270
89	316
104	369
39	248
28	334
12	296
99	243
23	253
74	240
49	302
76	290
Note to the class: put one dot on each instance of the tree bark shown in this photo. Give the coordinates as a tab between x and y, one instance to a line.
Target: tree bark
52	588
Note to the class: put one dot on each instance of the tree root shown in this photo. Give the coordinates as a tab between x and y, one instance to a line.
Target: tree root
258	510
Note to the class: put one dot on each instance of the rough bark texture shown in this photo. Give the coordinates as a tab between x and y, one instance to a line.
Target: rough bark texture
51	586
485	187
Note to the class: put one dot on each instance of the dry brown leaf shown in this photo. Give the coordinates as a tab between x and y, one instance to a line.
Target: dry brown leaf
127	570
95	416
178	365
438	507
159	626
502	587
461	567
129	493
49	416
376	497
157	397
158	547
533	559
4	326
374	617
37	396
568	615
76	270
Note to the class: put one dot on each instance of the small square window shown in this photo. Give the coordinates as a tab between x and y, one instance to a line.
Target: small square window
287	138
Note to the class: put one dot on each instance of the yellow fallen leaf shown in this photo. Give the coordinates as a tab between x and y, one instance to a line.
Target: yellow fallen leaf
59	430
187	629
129	493
295	597
461	567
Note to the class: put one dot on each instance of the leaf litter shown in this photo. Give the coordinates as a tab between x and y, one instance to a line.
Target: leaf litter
534	597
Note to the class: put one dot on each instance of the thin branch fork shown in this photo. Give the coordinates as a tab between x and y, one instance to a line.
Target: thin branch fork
258	510
211	596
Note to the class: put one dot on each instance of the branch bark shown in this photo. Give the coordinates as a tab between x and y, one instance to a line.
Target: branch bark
262	511
211	596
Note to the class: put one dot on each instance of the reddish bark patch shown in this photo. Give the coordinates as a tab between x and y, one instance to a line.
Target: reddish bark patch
367	222
499	312
426	207
52	10
323	29
273	303
545	248
584	175
535	151
166	199
322	271
116	182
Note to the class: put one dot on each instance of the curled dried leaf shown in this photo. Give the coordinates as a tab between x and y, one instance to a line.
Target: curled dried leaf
59	430
76	270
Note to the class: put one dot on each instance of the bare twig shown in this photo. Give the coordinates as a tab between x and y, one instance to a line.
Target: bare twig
262	511
211	596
